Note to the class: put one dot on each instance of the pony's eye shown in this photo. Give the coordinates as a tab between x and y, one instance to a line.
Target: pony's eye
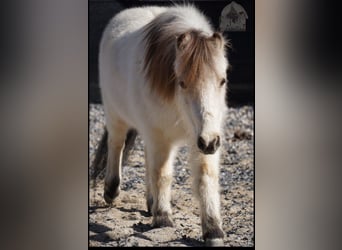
182	84
223	81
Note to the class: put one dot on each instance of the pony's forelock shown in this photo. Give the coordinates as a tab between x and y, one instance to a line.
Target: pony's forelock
162	38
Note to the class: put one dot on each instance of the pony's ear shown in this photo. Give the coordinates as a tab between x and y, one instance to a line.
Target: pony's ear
218	40
183	40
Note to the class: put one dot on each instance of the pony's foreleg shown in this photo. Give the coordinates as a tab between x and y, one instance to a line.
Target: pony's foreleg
116	138
149	196
159	157
206	188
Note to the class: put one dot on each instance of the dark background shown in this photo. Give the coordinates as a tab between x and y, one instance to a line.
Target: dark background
241	56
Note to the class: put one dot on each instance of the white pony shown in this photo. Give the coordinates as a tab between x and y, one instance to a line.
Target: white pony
163	72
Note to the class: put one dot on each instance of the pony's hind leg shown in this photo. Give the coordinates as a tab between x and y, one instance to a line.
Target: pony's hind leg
117	130
206	188
159	158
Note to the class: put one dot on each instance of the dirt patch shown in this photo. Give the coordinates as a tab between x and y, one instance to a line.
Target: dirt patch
126	222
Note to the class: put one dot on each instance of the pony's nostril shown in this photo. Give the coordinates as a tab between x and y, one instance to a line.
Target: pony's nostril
211	147
201	143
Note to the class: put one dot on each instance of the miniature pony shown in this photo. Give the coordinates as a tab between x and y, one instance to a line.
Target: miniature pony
163	73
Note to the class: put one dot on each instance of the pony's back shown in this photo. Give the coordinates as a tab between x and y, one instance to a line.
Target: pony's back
133	19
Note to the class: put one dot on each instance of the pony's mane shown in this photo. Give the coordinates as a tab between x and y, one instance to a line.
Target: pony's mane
162	36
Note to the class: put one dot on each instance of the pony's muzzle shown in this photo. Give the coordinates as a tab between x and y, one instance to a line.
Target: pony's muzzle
208	148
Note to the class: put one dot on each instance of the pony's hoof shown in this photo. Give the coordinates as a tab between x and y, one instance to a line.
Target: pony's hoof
109	197
149	212
111	190
214	237
149	204
162	221
218	242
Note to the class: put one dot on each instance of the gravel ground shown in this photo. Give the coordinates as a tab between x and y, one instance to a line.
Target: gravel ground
126	223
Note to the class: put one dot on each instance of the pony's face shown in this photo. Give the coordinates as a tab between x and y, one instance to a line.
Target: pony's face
200	69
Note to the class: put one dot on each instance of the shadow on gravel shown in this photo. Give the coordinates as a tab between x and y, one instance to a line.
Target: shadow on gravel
190	242
102	237
93	209
131	210
97	228
140	235
100	230
142	228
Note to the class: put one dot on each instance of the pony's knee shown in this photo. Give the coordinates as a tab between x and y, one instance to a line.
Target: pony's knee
163	182
117	131
204	186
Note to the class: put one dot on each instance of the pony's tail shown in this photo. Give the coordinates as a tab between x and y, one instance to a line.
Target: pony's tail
101	153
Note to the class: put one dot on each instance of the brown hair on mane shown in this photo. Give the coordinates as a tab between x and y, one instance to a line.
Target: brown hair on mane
196	50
